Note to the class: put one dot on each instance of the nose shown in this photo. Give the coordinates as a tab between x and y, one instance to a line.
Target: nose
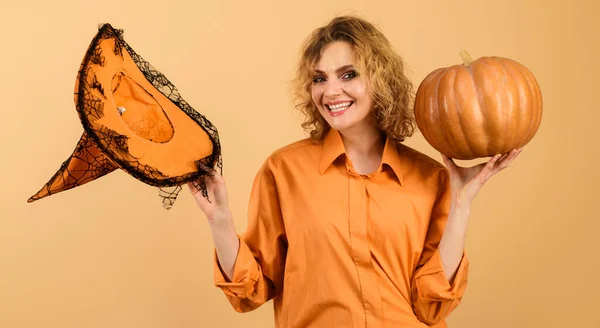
333	88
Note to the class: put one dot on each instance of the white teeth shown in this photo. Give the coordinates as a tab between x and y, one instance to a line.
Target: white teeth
339	107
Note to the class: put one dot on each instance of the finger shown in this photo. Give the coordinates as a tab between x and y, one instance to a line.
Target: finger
488	168
511	157
194	188
202	202
494	160
190	186
517	152
204	167
199	194
503	157
505	161
211	173
500	162
202	180
209	183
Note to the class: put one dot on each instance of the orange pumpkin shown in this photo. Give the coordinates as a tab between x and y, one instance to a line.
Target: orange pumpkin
480	108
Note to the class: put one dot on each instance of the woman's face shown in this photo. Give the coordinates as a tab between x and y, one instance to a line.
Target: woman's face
343	98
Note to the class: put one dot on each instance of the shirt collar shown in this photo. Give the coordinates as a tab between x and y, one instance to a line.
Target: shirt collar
333	147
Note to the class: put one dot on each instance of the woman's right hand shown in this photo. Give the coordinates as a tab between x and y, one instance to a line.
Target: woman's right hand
216	207
217	211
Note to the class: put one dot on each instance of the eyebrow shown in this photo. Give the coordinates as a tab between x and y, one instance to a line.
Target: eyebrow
343	68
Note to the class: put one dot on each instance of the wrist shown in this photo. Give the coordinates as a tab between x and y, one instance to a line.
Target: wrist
223	231
461	207
220	220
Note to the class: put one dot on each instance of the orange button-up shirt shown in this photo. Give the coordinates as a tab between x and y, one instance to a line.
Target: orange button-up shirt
333	248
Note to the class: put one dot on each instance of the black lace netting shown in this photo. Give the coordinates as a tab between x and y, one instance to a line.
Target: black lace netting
101	151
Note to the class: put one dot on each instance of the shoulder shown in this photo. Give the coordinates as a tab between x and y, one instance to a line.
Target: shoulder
418	158
298	151
422	166
303	152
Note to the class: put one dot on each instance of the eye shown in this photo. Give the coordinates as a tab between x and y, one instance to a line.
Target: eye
349	75
318	79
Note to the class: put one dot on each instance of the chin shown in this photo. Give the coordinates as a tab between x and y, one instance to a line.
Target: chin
343	123
347	127
341	126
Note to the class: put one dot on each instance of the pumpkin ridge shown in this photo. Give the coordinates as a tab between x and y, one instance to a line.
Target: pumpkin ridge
528	94
492	125
427	125
509	138
469	146
440	136
483	109
417	104
536	100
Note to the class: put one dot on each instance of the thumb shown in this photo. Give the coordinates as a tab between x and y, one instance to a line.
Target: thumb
449	162
192	187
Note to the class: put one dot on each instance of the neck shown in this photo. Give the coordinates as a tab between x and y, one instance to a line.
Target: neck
364	142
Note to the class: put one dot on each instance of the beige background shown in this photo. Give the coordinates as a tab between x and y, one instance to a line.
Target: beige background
106	254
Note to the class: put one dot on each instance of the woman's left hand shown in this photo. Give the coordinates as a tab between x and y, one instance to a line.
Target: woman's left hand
466	182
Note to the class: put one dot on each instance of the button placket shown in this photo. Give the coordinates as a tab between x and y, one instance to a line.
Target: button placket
360	248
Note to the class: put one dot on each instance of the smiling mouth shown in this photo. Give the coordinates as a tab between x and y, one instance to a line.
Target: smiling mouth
339	107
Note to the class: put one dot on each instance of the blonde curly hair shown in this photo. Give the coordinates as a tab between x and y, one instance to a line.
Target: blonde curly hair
383	68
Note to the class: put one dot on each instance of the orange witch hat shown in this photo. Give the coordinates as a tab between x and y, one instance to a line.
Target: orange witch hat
134	119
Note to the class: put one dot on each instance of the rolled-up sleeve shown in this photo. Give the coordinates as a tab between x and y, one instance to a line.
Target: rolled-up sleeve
259	266
433	296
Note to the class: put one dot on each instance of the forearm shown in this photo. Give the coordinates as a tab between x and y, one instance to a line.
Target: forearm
452	244
226	243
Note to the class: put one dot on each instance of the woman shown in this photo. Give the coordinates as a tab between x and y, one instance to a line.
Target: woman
350	228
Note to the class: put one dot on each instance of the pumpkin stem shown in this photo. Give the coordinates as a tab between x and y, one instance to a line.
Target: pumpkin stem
467	60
